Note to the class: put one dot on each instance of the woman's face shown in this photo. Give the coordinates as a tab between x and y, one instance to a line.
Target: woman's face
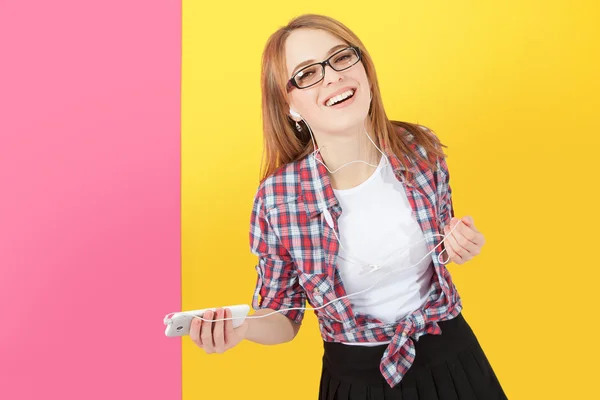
304	47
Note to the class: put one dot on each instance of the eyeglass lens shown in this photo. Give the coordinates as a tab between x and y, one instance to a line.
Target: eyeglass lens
314	73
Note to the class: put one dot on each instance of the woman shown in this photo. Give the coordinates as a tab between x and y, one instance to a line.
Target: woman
349	217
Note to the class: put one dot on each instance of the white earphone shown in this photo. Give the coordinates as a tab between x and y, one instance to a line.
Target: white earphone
293	113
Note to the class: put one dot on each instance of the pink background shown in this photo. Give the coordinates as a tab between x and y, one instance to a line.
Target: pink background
90	199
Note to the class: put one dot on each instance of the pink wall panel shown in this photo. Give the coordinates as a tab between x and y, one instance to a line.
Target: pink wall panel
89	199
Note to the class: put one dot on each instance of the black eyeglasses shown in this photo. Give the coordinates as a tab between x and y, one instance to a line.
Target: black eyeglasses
314	73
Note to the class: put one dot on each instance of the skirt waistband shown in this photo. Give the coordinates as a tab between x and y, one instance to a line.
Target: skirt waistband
362	362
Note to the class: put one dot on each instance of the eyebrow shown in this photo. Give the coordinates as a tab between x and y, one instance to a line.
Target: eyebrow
330	52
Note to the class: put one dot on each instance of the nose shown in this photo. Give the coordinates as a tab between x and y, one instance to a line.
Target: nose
331	75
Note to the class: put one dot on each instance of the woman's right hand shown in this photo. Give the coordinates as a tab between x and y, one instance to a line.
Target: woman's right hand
216	337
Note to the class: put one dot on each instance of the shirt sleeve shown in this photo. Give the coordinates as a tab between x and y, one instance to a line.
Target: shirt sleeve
444	192
277	286
445	206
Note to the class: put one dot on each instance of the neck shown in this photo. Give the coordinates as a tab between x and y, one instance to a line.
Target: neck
339	149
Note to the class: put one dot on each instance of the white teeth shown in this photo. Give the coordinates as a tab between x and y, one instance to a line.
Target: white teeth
339	97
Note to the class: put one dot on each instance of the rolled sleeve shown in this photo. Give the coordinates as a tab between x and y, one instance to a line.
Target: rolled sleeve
277	285
445	208
444	192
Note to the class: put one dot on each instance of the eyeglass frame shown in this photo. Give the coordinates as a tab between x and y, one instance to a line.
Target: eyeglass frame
292	81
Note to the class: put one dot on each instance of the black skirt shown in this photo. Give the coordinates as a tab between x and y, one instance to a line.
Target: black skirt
447	366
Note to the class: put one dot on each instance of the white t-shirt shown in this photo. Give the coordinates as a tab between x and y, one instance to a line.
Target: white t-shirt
376	228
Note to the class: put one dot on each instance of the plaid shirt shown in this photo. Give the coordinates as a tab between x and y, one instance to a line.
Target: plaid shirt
297	251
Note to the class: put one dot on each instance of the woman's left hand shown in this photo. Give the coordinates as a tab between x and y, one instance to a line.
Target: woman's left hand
464	242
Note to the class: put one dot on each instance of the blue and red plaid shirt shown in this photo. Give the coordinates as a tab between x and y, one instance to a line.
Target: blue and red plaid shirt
297	252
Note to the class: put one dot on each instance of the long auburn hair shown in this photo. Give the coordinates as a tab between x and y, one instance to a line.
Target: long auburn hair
283	144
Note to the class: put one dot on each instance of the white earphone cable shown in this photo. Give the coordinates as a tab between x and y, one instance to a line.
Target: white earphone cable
327	217
318	150
349	295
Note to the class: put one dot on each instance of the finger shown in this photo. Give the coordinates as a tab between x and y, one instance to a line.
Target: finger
464	247
451	255
219	331
468	221
195	331
228	327
472	234
477	238
468	245
453	248
206	332
468	232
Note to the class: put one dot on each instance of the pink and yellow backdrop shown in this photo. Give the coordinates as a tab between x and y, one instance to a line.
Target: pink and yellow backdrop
129	152
90	199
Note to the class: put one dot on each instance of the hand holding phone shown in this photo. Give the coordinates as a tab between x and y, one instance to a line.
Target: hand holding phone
221	329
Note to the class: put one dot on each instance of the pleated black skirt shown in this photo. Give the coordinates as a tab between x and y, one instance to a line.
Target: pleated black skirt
450	366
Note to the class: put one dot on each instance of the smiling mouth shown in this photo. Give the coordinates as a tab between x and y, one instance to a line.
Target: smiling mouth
340	98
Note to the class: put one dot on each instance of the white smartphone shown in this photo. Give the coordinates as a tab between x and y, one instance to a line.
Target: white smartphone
179	323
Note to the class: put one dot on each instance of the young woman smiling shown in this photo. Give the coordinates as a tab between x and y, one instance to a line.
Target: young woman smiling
353	215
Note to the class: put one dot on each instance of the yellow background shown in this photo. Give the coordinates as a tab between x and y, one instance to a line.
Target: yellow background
511	87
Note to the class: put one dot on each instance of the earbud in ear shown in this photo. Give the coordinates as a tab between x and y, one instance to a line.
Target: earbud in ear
293	113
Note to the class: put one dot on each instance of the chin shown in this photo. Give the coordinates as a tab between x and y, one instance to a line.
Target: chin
349	125
353	120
